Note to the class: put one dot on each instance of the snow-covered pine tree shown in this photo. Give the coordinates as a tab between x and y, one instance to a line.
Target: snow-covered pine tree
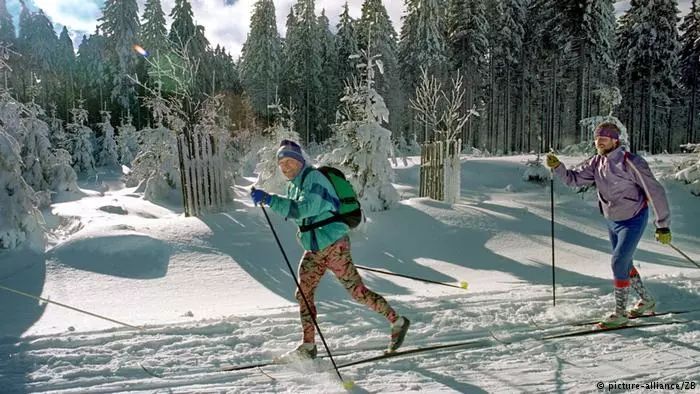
65	69
330	84
364	144
92	73
10	114
58	169
20	220
652	61
61	174
153	31
346	45
547	46
156	167
261	57
190	43
690	66
422	44
509	40
127	141
227	71
57	134
108	155
183	29
590	26
375	29
286	61
7	27
45	170
120	26
303	51
37	45
23	31
269	176
7	41
80	141
468	43
36	152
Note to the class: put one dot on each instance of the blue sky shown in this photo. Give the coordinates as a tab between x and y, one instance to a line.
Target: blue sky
226	21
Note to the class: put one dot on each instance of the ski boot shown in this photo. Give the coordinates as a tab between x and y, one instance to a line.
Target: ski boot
643	307
305	351
398	333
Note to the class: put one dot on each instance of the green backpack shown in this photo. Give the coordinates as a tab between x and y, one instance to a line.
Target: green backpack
349	211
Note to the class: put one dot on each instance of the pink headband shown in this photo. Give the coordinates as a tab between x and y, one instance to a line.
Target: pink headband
607	132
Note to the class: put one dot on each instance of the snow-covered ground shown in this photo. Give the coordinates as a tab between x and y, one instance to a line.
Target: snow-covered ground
215	291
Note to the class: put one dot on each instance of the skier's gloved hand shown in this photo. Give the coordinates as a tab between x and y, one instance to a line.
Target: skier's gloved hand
552	160
663	235
260	197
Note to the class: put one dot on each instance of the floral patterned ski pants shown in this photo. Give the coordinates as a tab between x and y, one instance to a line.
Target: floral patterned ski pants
338	259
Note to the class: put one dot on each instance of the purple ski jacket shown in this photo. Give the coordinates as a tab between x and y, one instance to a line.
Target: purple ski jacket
625	185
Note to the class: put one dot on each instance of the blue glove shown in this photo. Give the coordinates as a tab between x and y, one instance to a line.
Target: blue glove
260	197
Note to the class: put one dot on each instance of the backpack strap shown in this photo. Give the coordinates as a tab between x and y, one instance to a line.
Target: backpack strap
306	172
310	227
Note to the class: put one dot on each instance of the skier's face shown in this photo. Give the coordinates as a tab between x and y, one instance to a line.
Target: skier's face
605	145
289	167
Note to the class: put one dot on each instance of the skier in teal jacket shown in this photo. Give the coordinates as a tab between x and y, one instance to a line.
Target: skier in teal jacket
310	199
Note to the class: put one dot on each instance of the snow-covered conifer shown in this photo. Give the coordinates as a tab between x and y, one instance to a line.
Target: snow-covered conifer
36	151
364	146
108	155
156	167
80	138
127	141
120	26
20	220
261	57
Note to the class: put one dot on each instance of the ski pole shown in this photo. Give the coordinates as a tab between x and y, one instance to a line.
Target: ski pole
462	284
683	254
347	384
67	306
551	199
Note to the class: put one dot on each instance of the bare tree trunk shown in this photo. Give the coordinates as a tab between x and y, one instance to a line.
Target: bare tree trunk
492	106
668	131
521	132
690	133
650	109
580	81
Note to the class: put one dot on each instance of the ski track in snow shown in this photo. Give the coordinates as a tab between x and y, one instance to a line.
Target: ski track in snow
193	264
189	355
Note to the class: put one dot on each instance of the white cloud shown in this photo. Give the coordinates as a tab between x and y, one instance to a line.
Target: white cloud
78	15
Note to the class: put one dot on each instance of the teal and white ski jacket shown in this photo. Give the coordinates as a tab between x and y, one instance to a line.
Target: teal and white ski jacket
311	202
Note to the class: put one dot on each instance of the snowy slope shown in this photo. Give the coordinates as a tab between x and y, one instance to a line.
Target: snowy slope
215	291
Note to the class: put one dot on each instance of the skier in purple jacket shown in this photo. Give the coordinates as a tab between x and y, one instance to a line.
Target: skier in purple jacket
626	189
